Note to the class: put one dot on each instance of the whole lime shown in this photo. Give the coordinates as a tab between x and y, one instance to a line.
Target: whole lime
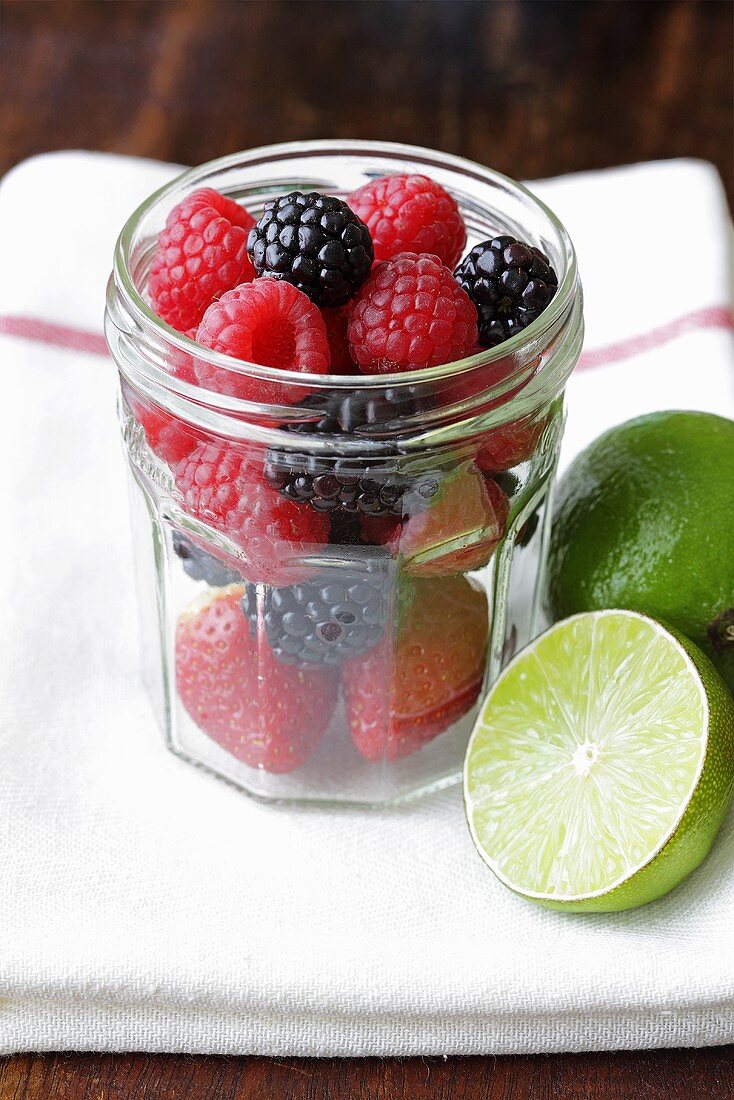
644	520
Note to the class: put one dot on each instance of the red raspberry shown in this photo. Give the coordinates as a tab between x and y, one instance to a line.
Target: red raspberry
201	252
268	322
411	313
167	437
225	488
266	713
336	320
410	214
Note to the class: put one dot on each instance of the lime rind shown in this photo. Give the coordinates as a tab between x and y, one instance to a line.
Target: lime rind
586	757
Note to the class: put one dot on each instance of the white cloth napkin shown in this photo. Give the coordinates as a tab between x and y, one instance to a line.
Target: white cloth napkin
146	906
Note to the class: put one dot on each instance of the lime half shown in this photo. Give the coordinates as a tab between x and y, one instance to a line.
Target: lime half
601	764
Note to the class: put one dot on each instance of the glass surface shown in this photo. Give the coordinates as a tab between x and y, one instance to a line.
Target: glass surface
433	596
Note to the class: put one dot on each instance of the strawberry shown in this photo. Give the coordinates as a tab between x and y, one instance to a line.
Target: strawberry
459	532
268	714
403	693
509	444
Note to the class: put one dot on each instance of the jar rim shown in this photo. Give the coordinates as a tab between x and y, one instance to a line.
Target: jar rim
145	319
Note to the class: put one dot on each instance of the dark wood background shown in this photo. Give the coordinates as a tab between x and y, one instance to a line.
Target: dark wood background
532	88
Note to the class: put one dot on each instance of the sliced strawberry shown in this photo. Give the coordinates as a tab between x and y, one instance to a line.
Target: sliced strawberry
460	531
266	713
404	692
509	444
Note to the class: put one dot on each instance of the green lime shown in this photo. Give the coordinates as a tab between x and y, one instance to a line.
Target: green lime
644	519
601	764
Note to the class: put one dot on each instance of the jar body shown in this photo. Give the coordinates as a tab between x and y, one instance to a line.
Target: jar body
340	659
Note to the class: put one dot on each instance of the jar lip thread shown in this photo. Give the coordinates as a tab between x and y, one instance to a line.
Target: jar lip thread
131	317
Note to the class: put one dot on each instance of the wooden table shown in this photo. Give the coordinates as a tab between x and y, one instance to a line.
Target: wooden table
532	88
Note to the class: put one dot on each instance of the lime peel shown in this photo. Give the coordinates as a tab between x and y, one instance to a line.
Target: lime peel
601	763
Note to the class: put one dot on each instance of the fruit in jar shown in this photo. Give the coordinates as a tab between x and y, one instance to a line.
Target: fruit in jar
200	253
265	713
417	683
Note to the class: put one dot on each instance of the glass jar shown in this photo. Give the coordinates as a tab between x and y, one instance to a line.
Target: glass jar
337	657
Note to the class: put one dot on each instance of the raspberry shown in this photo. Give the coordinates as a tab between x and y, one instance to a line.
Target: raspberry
256	708
510	283
411	313
315	242
268	323
336	320
224	488
168	438
337	615
181	364
410	214
201	252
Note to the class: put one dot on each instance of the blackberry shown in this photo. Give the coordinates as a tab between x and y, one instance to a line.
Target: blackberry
352	484
329	619
200	565
509	282
315	242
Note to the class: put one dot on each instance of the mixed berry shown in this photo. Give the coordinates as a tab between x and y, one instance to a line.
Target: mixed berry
371	487
318	532
510	284
336	615
200	565
316	243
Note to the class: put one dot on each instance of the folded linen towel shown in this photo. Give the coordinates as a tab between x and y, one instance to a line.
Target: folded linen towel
145	906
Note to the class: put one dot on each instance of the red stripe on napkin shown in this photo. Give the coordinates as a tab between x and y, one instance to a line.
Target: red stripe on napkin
60	336
93	343
710	317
